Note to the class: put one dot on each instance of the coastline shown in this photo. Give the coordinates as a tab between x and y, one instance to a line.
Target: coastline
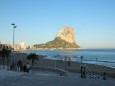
74	66
91	56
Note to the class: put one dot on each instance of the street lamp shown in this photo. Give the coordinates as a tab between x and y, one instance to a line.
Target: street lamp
82	68
65	62
81	57
14	26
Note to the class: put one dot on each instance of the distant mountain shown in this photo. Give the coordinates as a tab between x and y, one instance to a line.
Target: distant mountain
64	39
67	34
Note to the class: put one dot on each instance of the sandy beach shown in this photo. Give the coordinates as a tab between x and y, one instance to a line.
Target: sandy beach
74	66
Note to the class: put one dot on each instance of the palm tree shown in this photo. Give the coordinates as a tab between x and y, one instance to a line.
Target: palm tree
32	57
8	51
4	53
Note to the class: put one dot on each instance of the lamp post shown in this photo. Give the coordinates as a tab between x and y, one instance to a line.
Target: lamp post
81	57
14	26
65	63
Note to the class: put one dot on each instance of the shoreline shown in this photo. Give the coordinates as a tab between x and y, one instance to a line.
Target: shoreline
95	63
74	66
76	57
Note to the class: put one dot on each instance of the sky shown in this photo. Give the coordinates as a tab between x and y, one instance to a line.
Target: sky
38	21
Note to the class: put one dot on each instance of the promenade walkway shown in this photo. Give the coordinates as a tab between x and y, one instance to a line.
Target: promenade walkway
40	78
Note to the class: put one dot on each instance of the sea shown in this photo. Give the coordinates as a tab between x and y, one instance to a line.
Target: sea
104	57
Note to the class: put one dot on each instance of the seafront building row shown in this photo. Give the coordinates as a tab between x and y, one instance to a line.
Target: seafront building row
20	46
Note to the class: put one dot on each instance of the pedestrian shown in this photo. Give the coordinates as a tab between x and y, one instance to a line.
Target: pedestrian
69	61
20	65
25	68
81	71
96	59
104	76
17	65
84	72
28	67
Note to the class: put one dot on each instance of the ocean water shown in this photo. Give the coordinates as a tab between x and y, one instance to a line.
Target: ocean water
105	57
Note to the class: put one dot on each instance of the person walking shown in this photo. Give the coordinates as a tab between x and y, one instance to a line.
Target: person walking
25	68
104	76
28	67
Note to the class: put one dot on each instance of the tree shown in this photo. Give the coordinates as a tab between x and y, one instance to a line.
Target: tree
4	53
8	51
32	57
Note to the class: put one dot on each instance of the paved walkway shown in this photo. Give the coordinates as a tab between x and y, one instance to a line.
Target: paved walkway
40	78
4	73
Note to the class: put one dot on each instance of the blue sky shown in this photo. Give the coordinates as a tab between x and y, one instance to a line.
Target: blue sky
38	21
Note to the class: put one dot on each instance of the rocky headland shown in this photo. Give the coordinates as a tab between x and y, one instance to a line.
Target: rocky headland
64	39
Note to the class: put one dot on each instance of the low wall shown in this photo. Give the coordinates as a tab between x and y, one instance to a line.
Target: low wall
61	72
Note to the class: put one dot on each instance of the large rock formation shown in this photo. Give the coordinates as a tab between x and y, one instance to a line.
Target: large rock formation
63	40
67	34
